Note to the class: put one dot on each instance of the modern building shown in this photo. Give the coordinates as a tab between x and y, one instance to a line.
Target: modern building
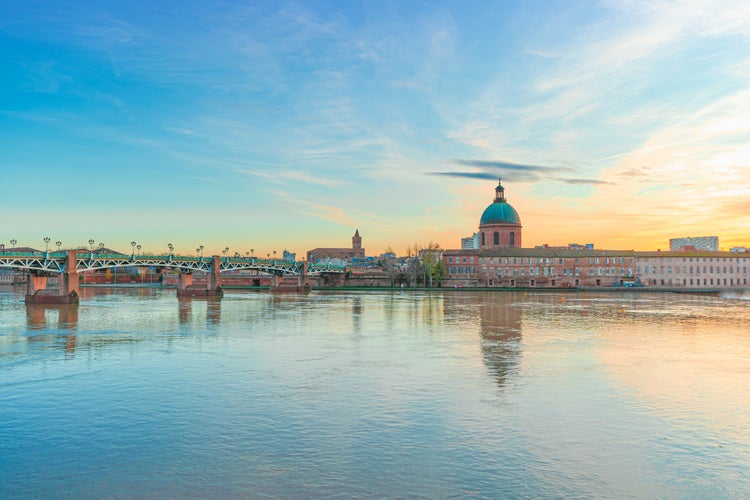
356	252
705	243
470	242
502	262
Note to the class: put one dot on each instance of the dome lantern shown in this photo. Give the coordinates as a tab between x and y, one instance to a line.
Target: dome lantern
499	192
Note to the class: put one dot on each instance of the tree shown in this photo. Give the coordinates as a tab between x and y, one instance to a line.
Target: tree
413	271
390	267
432	260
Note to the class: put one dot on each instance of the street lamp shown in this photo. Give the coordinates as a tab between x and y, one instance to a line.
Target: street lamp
225	251
91	244
251	252
201	249
46	246
101	247
171	248
139	249
132	244
13	244
59	244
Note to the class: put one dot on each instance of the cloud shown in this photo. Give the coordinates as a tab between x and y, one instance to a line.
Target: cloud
506	165
467	175
593	182
516	172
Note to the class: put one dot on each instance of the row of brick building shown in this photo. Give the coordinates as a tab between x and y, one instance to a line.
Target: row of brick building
500	261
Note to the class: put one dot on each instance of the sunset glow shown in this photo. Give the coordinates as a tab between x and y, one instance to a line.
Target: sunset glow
272	125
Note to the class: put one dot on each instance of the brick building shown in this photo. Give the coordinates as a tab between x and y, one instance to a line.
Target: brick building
502	262
345	254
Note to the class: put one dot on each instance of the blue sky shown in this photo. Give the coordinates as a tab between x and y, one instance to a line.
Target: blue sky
272	125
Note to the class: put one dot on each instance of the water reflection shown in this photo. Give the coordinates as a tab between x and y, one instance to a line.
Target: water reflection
185	309
499	317
357	315
66	314
500	322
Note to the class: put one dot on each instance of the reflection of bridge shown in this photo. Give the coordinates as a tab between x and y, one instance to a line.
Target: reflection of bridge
40	265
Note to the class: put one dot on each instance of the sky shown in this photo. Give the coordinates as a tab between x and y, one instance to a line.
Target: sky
287	125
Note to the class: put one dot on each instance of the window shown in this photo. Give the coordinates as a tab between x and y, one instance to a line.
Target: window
512	240
496	238
483	242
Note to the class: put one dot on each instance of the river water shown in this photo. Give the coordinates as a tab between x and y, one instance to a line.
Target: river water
375	394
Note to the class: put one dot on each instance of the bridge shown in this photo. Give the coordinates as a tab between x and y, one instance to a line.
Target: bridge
67	265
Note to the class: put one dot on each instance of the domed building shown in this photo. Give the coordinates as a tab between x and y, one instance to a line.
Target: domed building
500	225
494	257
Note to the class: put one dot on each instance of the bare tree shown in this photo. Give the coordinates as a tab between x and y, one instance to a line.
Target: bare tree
390	266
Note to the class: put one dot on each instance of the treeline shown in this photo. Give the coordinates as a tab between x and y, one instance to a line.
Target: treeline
422	266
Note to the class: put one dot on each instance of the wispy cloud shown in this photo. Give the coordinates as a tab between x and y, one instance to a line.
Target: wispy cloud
515	172
506	165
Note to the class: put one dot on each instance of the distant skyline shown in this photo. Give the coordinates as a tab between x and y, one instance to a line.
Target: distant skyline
273	125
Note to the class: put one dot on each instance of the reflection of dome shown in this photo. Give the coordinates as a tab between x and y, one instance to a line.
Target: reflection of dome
499	212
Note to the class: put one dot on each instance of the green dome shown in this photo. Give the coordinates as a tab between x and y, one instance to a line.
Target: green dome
499	213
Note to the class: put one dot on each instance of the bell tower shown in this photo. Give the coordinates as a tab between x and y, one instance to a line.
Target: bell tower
356	241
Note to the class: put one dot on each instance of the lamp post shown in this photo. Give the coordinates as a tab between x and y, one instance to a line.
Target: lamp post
58	243
132	244
46	247
13	244
171	250
201	249
139	249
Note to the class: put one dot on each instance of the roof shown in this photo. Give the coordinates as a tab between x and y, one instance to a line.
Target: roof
499	212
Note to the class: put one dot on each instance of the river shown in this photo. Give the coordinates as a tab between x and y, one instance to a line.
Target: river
133	394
